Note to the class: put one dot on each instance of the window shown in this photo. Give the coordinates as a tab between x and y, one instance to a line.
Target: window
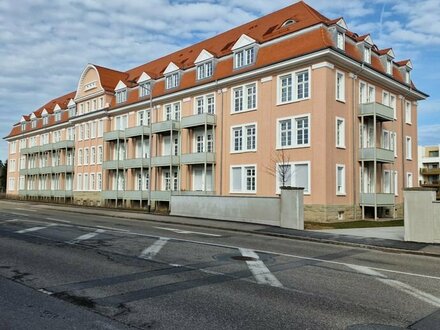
80	156
100	128
340	40
86	156
294	86
409	180
121	96
389	66
293	132
387	182
340	132
408	148
101	102
172	80
87	131
396	184
121	122
93	129
92	181
34	123
99	181
172	111
394	143
243	179
79	182
408	112
204	104
340	179
11	185
57	116
205	70
86	182
340	86
244	98
100	155
95	104
23	126
45	120
92	155
367	54
244	138
407	77
13	147
296	174
145	89
371	94
143	118
244	57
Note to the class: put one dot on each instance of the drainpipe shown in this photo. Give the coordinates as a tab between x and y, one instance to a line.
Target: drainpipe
221	144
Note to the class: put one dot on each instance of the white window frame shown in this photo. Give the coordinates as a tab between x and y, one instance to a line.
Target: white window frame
409	180
80	156
144	89
172	80
205	108
340	144
294	132
121	95
396	183
408	147
340	86
343	191
408	113
244	137
241	56
99	155
367	54
173	111
292	165
243	179
340	40
146	117
389	66
245	96
294	86
205	69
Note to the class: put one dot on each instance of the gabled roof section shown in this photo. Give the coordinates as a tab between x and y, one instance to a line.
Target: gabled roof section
171	68
57	107
203	56
24	119
243	41
120	86
44	112
143	78
71	103
387	51
406	63
33	116
339	22
365	38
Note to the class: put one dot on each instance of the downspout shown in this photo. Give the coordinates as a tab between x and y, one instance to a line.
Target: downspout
221	144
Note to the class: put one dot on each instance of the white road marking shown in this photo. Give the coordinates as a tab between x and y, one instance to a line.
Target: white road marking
58	220
180	231
86	236
261	273
426	297
21	214
29	230
112	228
46	292
153	249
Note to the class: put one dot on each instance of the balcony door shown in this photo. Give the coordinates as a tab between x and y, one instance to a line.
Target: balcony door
199	181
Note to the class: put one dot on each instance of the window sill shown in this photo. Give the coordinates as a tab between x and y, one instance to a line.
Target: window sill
293	101
294	147
340	101
247	110
243	151
341	194
243	192
341	147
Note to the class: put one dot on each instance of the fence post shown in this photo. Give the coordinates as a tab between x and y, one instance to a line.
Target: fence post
292	208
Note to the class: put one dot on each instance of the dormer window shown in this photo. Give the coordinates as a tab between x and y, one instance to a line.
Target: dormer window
72	111
244	57
145	89
244	52
34	123
367	55
407	77
58	116
121	96
340	40
389	66
23	126
205	70
288	22
45	120
172	80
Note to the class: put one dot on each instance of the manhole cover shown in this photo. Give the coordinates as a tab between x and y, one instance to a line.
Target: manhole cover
243	258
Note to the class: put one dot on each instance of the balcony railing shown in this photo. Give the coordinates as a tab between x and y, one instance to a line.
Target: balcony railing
62	169
136	163
114	135
430	171
382	112
378	154
137	131
198	158
198	120
379	199
113	164
165	161
158	195
165	126
30	150
66	144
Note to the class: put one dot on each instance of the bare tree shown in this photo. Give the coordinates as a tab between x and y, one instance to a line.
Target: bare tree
280	168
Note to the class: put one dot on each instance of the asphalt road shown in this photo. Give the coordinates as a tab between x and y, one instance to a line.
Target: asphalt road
111	273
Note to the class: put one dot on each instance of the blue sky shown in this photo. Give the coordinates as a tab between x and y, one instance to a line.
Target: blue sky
45	44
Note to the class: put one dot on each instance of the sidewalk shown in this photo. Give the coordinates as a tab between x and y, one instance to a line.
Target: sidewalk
340	237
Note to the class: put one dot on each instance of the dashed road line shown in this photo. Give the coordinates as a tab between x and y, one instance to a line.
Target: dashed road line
153	249
29	230
261	273
180	231
58	220
86	236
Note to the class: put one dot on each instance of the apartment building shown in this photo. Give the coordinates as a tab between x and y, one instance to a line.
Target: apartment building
429	167
290	99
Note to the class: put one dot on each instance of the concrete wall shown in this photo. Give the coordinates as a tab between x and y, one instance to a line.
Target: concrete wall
286	211
422	216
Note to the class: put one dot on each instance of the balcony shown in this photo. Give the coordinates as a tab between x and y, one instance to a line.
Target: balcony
113	164
166	126
137	163
382	112
198	120
430	171
66	144
137	131
46	147
24	171
112	194
378	154
136	194
114	135
31	150
33	171
62	169
62	193
164	195
198	158
165	161
46	170
379	199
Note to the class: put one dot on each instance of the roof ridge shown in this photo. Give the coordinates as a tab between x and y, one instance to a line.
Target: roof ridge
314	12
